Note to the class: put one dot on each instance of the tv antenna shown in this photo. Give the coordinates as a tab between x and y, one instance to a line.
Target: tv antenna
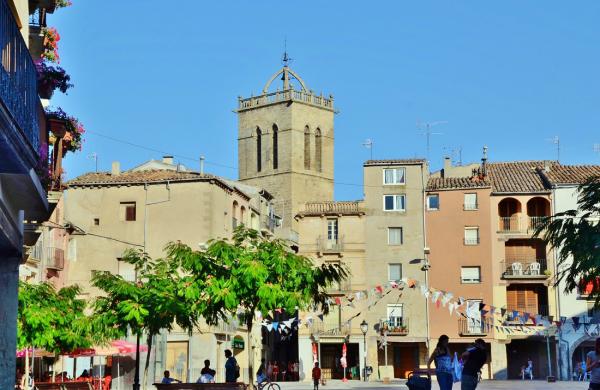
94	156
455	153
556	141
369	145
426	127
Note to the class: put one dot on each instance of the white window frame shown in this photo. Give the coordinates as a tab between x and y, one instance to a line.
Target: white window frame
470	242
389	229
333	229
471	206
392	311
396	196
395	176
470	281
429	208
390	272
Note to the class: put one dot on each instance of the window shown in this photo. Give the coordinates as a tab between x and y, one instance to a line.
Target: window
473	312
470	274
470	201
127	211
332	230
318	151
306	148
275	147
234	211
258	150
433	202
394	315
471	235
394	202
395	236
394	272
96	221
394	176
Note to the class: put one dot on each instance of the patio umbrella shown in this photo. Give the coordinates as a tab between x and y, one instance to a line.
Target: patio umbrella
344	361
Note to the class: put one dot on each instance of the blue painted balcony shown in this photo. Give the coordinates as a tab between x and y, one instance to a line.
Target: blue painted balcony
22	135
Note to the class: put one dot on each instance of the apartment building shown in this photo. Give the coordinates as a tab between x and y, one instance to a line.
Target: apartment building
457	215
522	266
146	208
575	341
23	139
334	232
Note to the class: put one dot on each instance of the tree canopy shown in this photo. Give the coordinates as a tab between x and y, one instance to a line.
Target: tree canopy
575	236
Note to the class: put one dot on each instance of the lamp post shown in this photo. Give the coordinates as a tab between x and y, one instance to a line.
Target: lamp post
547	334
364	327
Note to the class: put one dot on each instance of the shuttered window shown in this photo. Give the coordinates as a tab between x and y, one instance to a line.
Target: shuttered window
522	299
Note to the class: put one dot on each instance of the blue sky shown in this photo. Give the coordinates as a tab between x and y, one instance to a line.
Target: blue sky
510	75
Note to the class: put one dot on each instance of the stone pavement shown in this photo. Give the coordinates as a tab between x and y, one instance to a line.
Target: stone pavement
400	385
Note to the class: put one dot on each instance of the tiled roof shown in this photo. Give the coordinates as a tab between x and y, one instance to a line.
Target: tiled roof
139	177
449	183
518	176
570	174
407	161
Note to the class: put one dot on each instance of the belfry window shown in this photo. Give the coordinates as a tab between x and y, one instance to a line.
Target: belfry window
258	150
318	151
306	148
275	147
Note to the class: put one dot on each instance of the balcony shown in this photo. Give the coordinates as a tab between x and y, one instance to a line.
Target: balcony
395	326
289	95
525	269
329	246
330	329
54	258
332	208
472	327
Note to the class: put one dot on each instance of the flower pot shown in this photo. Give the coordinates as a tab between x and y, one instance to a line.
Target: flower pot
58	127
45	89
36	42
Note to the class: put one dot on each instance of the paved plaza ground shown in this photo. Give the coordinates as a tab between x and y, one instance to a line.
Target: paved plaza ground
400	385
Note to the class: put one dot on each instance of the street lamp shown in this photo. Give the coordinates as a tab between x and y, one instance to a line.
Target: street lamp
364	327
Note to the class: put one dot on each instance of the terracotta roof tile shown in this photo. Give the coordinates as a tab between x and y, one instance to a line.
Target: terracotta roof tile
449	183
138	177
517	176
570	174
407	161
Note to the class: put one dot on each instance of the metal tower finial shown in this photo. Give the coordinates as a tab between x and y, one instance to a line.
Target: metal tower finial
285	59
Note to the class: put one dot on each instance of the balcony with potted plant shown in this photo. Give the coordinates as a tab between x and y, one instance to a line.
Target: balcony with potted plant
51	78
66	135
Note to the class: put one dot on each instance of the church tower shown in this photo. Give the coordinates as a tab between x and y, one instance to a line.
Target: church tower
285	144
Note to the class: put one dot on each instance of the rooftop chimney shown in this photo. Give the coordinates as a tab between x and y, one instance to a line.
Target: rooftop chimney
202	165
116	168
168	160
484	162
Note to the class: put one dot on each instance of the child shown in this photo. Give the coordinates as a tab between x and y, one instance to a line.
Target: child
316	375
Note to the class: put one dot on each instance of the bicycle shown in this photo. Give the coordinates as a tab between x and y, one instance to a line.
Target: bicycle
267	385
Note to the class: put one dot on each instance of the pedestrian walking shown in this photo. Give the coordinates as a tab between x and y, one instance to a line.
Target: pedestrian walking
232	370
443	363
593	363
474	358
316	376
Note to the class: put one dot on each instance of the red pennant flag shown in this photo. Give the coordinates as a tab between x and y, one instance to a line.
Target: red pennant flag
379	289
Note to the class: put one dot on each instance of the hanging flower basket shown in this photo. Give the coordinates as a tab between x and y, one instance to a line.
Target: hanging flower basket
67	128
51	78
49	5
50	44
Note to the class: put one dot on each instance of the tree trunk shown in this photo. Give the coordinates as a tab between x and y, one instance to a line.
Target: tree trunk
150	337
249	321
136	376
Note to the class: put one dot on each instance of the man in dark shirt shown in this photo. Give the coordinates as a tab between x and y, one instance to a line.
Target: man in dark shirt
231	367
474	358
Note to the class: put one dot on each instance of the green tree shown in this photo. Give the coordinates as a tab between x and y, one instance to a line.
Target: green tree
575	236
53	320
155	301
253	273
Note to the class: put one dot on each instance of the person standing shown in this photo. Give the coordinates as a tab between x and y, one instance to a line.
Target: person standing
443	363
207	374
593	363
474	358
232	371
316	376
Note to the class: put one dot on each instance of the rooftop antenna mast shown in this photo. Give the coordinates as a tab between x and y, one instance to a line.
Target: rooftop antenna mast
426	127
556	141
369	145
94	156
455	153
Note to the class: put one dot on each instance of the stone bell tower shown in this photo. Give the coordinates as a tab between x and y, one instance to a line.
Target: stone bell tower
285	143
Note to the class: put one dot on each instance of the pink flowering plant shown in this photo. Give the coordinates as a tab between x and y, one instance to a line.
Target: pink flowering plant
51	78
51	38
73	138
63	3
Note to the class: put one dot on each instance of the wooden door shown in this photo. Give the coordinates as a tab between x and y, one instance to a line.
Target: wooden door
523	299
404	360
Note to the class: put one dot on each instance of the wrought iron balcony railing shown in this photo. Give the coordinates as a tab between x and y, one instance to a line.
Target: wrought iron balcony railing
395	326
472	326
18	78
